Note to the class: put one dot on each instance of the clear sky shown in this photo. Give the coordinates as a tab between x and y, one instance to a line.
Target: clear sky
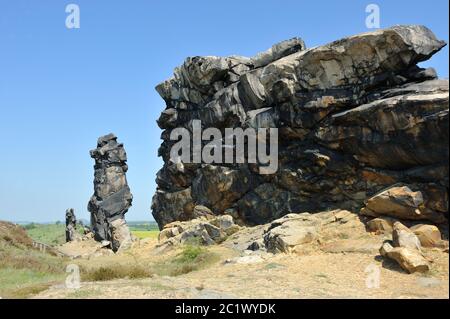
60	89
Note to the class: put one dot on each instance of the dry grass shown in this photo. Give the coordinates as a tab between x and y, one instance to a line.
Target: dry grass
111	272
14	235
25	271
29	290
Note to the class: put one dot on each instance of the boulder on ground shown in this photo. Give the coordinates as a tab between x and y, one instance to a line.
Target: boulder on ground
86	248
410	260
291	232
399	202
200	231
121	238
402	236
429	235
381	225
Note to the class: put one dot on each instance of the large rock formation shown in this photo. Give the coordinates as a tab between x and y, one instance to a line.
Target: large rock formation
355	117
112	197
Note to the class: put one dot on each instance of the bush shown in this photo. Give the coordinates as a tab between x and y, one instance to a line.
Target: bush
190	253
115	272
191	258
29	226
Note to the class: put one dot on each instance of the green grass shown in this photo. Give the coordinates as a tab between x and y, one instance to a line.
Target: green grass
55	234
25	271
142	226
141	234
50	234
22	283
191	258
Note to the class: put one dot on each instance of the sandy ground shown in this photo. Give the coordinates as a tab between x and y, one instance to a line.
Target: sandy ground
313	274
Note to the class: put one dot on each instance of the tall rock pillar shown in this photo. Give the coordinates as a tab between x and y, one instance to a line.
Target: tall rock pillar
112	197
71	225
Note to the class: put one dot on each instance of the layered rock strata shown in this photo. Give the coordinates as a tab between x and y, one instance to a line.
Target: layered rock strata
355	117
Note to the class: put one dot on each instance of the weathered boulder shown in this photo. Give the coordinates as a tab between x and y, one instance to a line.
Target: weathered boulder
410	260
112	197
290	231
202	211
295	232
399	202
402	236
428	235
86	248
380	225
200	231
355	117
121	238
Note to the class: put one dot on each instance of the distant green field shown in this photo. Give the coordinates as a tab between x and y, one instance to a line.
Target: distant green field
54	234
143	226
51	234
141	234
144	229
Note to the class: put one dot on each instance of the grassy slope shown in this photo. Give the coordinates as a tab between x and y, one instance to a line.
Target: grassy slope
23	270
51	234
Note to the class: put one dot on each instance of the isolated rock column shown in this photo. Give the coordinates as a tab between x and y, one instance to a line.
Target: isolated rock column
71	225
112	197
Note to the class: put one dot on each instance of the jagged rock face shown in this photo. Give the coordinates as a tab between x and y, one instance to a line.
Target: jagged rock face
112	197
355	116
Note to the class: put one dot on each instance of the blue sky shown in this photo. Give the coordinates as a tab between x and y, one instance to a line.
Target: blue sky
60	89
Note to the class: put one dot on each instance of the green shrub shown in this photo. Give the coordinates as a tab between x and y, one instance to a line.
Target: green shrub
191	258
